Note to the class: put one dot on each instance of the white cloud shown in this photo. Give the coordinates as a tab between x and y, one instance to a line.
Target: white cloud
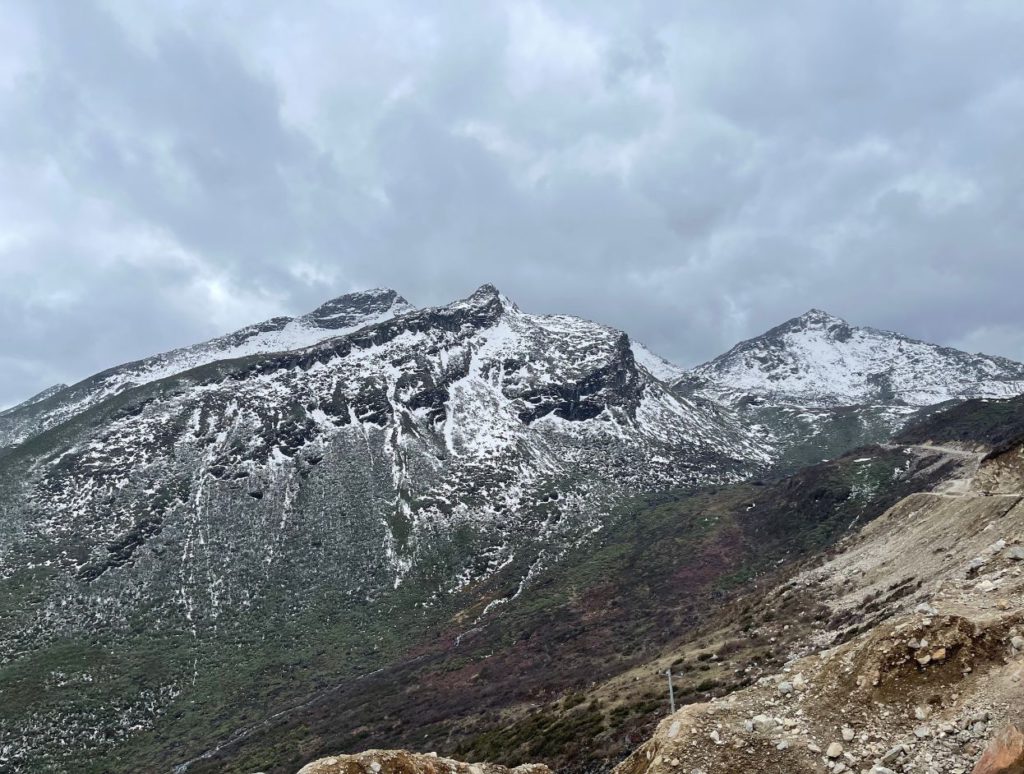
692	173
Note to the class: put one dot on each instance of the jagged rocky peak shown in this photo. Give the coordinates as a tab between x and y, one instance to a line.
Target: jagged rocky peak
353	309
488	306
820	317
816	319
813	321
818	359
487	295
485	292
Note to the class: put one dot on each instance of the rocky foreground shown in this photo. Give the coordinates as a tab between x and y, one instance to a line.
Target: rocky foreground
928	676
402	762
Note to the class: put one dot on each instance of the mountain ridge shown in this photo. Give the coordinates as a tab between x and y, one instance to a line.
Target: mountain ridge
810	359
336	317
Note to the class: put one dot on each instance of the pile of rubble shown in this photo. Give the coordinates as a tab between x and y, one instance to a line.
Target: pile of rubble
402	762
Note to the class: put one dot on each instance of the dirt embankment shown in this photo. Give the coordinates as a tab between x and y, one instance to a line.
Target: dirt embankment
919	666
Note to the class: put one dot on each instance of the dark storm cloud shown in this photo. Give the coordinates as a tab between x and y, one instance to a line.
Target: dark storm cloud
692	173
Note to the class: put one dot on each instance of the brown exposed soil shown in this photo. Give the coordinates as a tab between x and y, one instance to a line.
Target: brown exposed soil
920	663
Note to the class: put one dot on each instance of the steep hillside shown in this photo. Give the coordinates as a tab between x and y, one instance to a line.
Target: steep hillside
182	553
514	682
917	657
807	606
465	528
993	425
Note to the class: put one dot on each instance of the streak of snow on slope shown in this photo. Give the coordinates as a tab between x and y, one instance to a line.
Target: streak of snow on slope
656	366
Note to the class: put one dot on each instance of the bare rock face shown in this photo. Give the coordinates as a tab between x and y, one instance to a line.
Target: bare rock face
1004	754
402	762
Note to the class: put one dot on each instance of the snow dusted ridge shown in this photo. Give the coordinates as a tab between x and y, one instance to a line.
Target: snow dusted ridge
819	360
473	437
338	317
37	398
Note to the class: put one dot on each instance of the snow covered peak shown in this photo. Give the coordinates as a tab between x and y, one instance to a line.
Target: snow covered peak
818	359
817	317
486	291
486	299
357	309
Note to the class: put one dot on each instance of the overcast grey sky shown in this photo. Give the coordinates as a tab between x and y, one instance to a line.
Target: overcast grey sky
691	172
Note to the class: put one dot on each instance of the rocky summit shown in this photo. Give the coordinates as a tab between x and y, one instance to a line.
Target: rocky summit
487	532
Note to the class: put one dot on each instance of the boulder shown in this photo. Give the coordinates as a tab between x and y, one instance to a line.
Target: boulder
402	762
1004	754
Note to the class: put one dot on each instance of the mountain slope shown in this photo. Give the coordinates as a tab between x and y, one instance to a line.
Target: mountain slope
165	548
914	661
418	526
657	366
519	685
338	317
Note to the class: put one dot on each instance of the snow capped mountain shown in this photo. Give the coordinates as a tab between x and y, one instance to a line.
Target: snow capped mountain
473	411
815	386
392	459
819	360
338	317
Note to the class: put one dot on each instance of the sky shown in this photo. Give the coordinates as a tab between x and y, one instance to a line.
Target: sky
690	172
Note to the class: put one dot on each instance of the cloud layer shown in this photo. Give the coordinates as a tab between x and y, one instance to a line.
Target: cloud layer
690	172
